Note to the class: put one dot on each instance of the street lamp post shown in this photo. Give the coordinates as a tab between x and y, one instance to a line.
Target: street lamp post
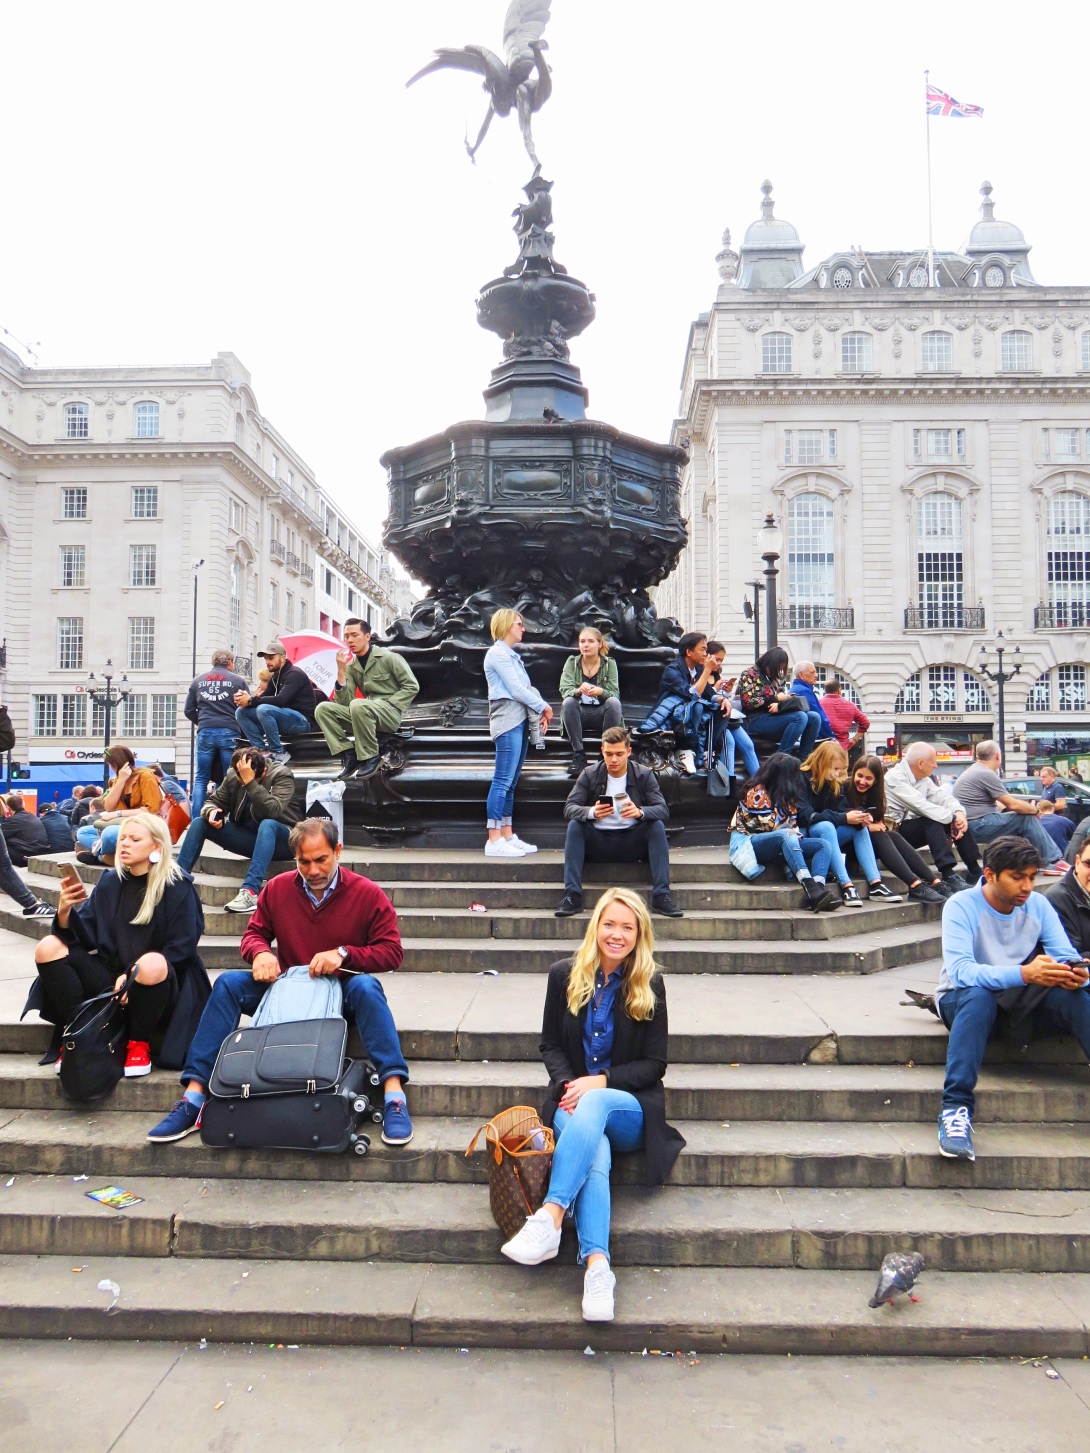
752	611
771	541
1001	677
193	725
108	697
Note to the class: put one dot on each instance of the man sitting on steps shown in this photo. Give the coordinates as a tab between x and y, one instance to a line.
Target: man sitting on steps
1003	948
336	921
616	814
386	687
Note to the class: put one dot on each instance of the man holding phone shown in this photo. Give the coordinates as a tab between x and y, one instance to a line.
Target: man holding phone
1003	948
616	814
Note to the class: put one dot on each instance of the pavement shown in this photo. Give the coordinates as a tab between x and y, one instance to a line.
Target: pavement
88	1397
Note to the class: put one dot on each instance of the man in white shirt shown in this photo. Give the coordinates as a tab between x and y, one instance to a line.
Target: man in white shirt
925	813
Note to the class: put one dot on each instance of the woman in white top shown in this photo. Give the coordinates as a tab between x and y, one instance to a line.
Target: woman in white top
513	702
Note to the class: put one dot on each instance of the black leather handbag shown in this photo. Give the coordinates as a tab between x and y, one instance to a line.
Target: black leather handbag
93	1046
791	703
304	1056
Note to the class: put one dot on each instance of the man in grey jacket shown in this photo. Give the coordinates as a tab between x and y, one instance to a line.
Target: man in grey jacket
616	814
926	814
251	813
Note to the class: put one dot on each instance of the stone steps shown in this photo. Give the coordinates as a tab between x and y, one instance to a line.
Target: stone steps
682	1309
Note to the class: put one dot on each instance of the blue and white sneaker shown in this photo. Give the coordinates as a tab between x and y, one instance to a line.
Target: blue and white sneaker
182	1121
397	1128
956	1134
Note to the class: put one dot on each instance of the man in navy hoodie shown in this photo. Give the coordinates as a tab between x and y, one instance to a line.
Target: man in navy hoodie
210	703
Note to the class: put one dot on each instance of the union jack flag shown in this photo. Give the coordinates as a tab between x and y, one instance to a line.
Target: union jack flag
940	104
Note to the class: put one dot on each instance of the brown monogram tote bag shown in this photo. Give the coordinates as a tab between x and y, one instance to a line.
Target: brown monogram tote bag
520	1161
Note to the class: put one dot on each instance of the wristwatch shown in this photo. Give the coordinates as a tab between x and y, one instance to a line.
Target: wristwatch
343	953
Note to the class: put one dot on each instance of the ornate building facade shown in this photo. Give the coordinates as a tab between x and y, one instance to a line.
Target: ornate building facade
113	483
919	429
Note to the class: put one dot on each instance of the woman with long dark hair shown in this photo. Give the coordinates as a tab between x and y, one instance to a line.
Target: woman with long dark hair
766	829
771	711
603	1039
865	793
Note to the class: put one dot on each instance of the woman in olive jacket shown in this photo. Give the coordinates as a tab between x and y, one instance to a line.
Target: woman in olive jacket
604	1042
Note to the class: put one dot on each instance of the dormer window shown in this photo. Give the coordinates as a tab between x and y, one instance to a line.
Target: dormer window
842	278
994	277
919	277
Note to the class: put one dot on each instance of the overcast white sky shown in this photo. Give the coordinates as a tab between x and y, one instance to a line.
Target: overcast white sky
183	178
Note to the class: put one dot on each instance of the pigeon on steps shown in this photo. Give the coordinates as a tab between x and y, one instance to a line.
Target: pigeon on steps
898	1276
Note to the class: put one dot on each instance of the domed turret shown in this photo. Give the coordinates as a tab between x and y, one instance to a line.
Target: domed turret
993	238
771	250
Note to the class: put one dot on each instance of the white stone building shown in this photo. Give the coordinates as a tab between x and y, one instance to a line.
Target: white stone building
113	482
920	431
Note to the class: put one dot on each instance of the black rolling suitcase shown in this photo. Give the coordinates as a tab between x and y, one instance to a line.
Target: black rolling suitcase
289	1087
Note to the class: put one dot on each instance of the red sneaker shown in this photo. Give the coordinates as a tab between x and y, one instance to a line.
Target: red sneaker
137	1059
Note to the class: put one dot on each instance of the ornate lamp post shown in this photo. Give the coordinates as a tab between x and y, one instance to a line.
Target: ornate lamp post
771	542
1001	677
193	725
108	696
752	612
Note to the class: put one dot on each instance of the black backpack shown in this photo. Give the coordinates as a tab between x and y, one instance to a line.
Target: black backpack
93	1047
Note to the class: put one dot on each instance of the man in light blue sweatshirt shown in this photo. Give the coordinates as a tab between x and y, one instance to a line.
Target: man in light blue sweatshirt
1003	947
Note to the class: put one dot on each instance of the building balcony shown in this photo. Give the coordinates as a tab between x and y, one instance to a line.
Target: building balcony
292	561
815	617
276	550
1061	617
306	573
944	618
244	666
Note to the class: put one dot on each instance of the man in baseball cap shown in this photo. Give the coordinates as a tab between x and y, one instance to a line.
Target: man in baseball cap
285	708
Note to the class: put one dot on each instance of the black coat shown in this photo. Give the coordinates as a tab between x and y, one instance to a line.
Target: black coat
638	1064
1073	907
177	925
25	837
641	785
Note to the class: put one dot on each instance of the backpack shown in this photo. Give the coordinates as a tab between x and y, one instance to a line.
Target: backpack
295	996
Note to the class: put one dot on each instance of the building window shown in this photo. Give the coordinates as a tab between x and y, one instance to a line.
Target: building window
302	615
238	428
908	698
73	563
1084	355
976	696
274	601
164	715
1040	697
775	353
145	501
1068	558
146	421
74	503
274	465
289	610
855	353
351	602
942	689
847	689
44	716
1071	688
74	715
98	719
811	584
141	643
329	582
77	421
810	442
1066	442
142	565
940	445
939	562
936	353
832	447
238	516
788	446
291	480
134	715
70	643
234	614
1016	351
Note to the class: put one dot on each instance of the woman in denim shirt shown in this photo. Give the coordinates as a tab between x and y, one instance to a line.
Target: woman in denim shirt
516	712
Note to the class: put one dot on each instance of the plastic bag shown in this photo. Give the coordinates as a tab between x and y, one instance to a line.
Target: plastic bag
327	796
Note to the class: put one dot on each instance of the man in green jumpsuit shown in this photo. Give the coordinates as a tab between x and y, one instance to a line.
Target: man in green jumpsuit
351	723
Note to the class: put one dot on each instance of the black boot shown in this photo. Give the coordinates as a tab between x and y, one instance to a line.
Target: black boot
570	905
349	763
578	764
667	905
819	899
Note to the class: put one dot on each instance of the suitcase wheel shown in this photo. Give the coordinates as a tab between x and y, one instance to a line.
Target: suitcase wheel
361	1105
361	1146
376	1116
374	1079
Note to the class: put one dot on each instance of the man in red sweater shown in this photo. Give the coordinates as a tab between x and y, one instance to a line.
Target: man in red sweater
844	716
337	922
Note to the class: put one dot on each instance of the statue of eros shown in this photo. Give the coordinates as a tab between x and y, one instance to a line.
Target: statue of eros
510	83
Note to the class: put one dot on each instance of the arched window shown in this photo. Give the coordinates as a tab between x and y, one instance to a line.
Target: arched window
908	698
234	623
1017	351
77	421
146	421
936	353
939	564
811	581
856	353
848	689
776	353
1067	551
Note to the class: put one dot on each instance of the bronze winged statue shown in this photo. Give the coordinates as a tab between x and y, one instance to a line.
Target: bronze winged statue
511	83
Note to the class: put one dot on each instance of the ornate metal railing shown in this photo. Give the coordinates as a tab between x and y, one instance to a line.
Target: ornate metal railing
307	573
815	617
293	562
944	618
276	550
244	666
1061	617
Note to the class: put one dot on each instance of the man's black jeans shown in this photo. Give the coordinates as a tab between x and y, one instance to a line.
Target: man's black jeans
920	830
645	842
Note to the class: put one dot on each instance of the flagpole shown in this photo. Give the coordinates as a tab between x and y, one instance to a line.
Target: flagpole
930	233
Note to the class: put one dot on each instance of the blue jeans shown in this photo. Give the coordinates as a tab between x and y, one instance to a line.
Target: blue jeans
796	732
738	738
261	847
87	836
795	851
1016	824
603	1121
510	755
262	725
970	1014
214	748
237	993
839	837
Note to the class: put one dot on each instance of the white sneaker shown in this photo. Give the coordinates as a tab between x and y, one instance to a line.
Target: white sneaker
526	847
688	761
598	1287
503	847
538	1241
243	902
